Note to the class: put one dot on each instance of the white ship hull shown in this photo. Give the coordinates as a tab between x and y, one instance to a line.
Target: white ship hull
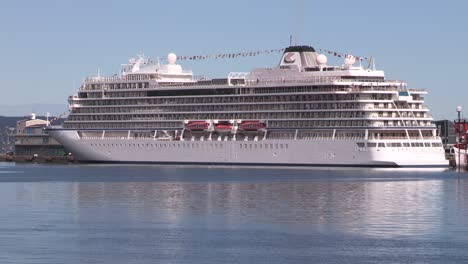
316	152
461	157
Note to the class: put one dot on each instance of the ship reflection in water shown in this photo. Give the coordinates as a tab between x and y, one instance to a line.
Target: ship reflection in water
205	214
377	207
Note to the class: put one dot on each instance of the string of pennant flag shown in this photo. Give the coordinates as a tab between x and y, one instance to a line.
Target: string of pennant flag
227	55
230	55
341	55
255	53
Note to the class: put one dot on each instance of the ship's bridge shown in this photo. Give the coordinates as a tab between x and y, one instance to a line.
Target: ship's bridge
299	58
303	62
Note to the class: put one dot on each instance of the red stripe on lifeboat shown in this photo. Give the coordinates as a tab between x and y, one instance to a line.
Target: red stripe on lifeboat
252	125
196	126
223	127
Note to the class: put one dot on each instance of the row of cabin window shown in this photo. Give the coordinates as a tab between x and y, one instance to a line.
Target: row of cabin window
193	116
251	115
328	88
279	124
122	125
234	97
397	145
249	90
220	107
226	99
276	124
113	86
193	145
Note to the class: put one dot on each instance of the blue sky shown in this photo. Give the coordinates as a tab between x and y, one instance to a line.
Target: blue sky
48	47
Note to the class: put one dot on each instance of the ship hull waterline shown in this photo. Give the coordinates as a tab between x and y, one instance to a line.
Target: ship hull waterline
280	152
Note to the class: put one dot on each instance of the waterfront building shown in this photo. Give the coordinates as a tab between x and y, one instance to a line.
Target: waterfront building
31	139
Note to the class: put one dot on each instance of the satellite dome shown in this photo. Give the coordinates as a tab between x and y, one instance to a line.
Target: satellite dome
321	59
171	58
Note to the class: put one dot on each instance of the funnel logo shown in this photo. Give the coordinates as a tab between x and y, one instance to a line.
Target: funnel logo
289	57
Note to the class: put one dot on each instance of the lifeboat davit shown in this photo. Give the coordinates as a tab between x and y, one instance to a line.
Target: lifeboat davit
197	126
252	125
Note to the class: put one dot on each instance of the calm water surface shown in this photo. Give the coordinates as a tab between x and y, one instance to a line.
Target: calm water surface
175	214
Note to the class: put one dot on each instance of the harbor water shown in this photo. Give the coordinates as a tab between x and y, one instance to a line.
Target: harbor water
83	213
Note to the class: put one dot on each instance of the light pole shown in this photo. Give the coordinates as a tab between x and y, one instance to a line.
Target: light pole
460	129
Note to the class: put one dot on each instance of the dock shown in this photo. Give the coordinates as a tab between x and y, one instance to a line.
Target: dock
37	159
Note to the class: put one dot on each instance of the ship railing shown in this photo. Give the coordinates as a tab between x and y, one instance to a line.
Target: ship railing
378	88
289	136
104	79
99	79
417	90
420	107
325	79
367	86
370	138
370	82
403	138
306	89
250	81
330	138
311	138
268	81
348	138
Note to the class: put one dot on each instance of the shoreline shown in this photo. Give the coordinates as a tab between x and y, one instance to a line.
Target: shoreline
38	159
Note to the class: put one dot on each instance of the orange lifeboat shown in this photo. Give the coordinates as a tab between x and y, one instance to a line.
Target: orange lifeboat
223	128
196	125
252	125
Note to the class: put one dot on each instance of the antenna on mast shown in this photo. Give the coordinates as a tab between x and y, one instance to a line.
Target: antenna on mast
299	21
371	63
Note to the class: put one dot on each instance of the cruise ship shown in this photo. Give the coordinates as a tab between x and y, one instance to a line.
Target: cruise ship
302	112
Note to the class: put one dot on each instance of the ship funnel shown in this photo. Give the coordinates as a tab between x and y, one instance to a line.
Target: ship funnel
299	57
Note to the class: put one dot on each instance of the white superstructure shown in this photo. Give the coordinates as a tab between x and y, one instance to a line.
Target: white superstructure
303	112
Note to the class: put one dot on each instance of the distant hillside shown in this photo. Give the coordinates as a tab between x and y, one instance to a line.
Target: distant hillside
10	121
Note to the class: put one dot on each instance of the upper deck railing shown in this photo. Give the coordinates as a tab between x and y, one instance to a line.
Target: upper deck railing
247	82
117	78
